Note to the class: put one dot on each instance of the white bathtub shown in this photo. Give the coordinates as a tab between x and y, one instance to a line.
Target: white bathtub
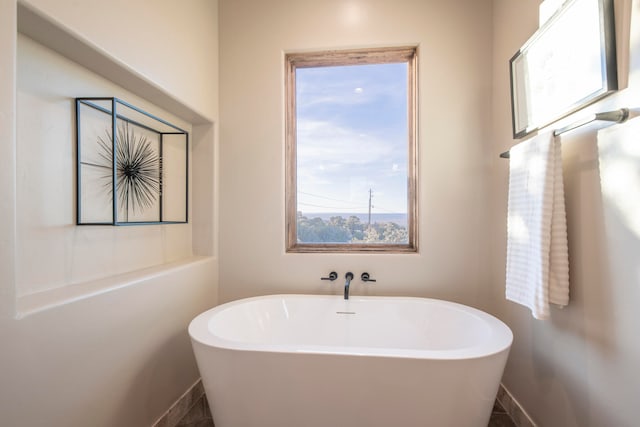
319	361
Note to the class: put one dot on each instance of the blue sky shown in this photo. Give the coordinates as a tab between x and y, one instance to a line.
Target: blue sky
352	137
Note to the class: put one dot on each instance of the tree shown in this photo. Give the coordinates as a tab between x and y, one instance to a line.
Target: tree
355	227
371	235
393	233
350	230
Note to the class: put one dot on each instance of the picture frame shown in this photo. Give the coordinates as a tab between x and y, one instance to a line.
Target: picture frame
569	63
146	182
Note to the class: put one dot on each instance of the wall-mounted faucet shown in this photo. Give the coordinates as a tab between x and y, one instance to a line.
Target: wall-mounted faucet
365	277
349	278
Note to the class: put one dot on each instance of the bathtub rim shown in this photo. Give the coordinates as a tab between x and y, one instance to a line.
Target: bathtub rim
501	340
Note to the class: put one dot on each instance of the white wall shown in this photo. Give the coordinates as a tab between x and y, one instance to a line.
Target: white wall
580	368
455	76
118	355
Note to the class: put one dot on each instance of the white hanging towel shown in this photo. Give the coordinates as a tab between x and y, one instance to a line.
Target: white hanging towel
537	249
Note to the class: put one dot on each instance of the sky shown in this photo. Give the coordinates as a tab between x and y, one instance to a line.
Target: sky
352	137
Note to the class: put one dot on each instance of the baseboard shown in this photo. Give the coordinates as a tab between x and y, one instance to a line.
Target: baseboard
180	408
514	409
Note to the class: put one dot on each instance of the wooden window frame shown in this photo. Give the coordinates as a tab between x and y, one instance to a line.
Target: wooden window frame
294	61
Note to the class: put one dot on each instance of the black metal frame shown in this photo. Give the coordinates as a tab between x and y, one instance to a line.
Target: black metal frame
608	65
115	117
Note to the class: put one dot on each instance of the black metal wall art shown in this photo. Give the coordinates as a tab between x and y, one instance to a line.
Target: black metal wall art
148	174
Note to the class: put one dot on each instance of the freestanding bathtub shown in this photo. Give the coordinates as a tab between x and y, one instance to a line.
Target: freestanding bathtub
320	361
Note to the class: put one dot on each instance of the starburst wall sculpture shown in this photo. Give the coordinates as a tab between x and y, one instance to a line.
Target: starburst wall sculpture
138	169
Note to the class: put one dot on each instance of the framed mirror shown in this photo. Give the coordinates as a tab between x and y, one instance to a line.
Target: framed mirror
569	63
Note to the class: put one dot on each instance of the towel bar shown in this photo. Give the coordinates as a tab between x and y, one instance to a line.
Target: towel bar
617	116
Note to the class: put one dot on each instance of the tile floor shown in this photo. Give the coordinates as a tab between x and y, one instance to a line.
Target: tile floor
499	417
199	416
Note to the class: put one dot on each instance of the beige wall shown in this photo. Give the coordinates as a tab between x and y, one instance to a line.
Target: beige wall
113	351
580	368
166	41
455	76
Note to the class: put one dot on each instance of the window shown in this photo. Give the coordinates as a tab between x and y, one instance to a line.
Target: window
351	151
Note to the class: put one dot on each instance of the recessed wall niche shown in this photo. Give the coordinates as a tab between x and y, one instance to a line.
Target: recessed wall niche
47	235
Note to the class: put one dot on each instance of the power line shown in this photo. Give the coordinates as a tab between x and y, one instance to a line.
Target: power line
325	197
330	207
355	205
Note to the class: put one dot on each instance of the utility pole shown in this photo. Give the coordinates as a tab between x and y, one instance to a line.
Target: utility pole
370	206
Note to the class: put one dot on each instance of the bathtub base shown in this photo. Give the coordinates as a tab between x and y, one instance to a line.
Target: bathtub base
268	389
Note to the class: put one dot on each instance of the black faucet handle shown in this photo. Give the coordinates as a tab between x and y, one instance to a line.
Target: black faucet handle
332	276
365	277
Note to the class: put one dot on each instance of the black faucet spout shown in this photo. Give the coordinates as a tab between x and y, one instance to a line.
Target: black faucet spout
349	278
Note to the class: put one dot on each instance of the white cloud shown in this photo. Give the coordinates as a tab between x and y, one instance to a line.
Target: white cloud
317	89
327	144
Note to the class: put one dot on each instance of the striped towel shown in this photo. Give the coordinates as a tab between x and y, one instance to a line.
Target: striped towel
537	250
